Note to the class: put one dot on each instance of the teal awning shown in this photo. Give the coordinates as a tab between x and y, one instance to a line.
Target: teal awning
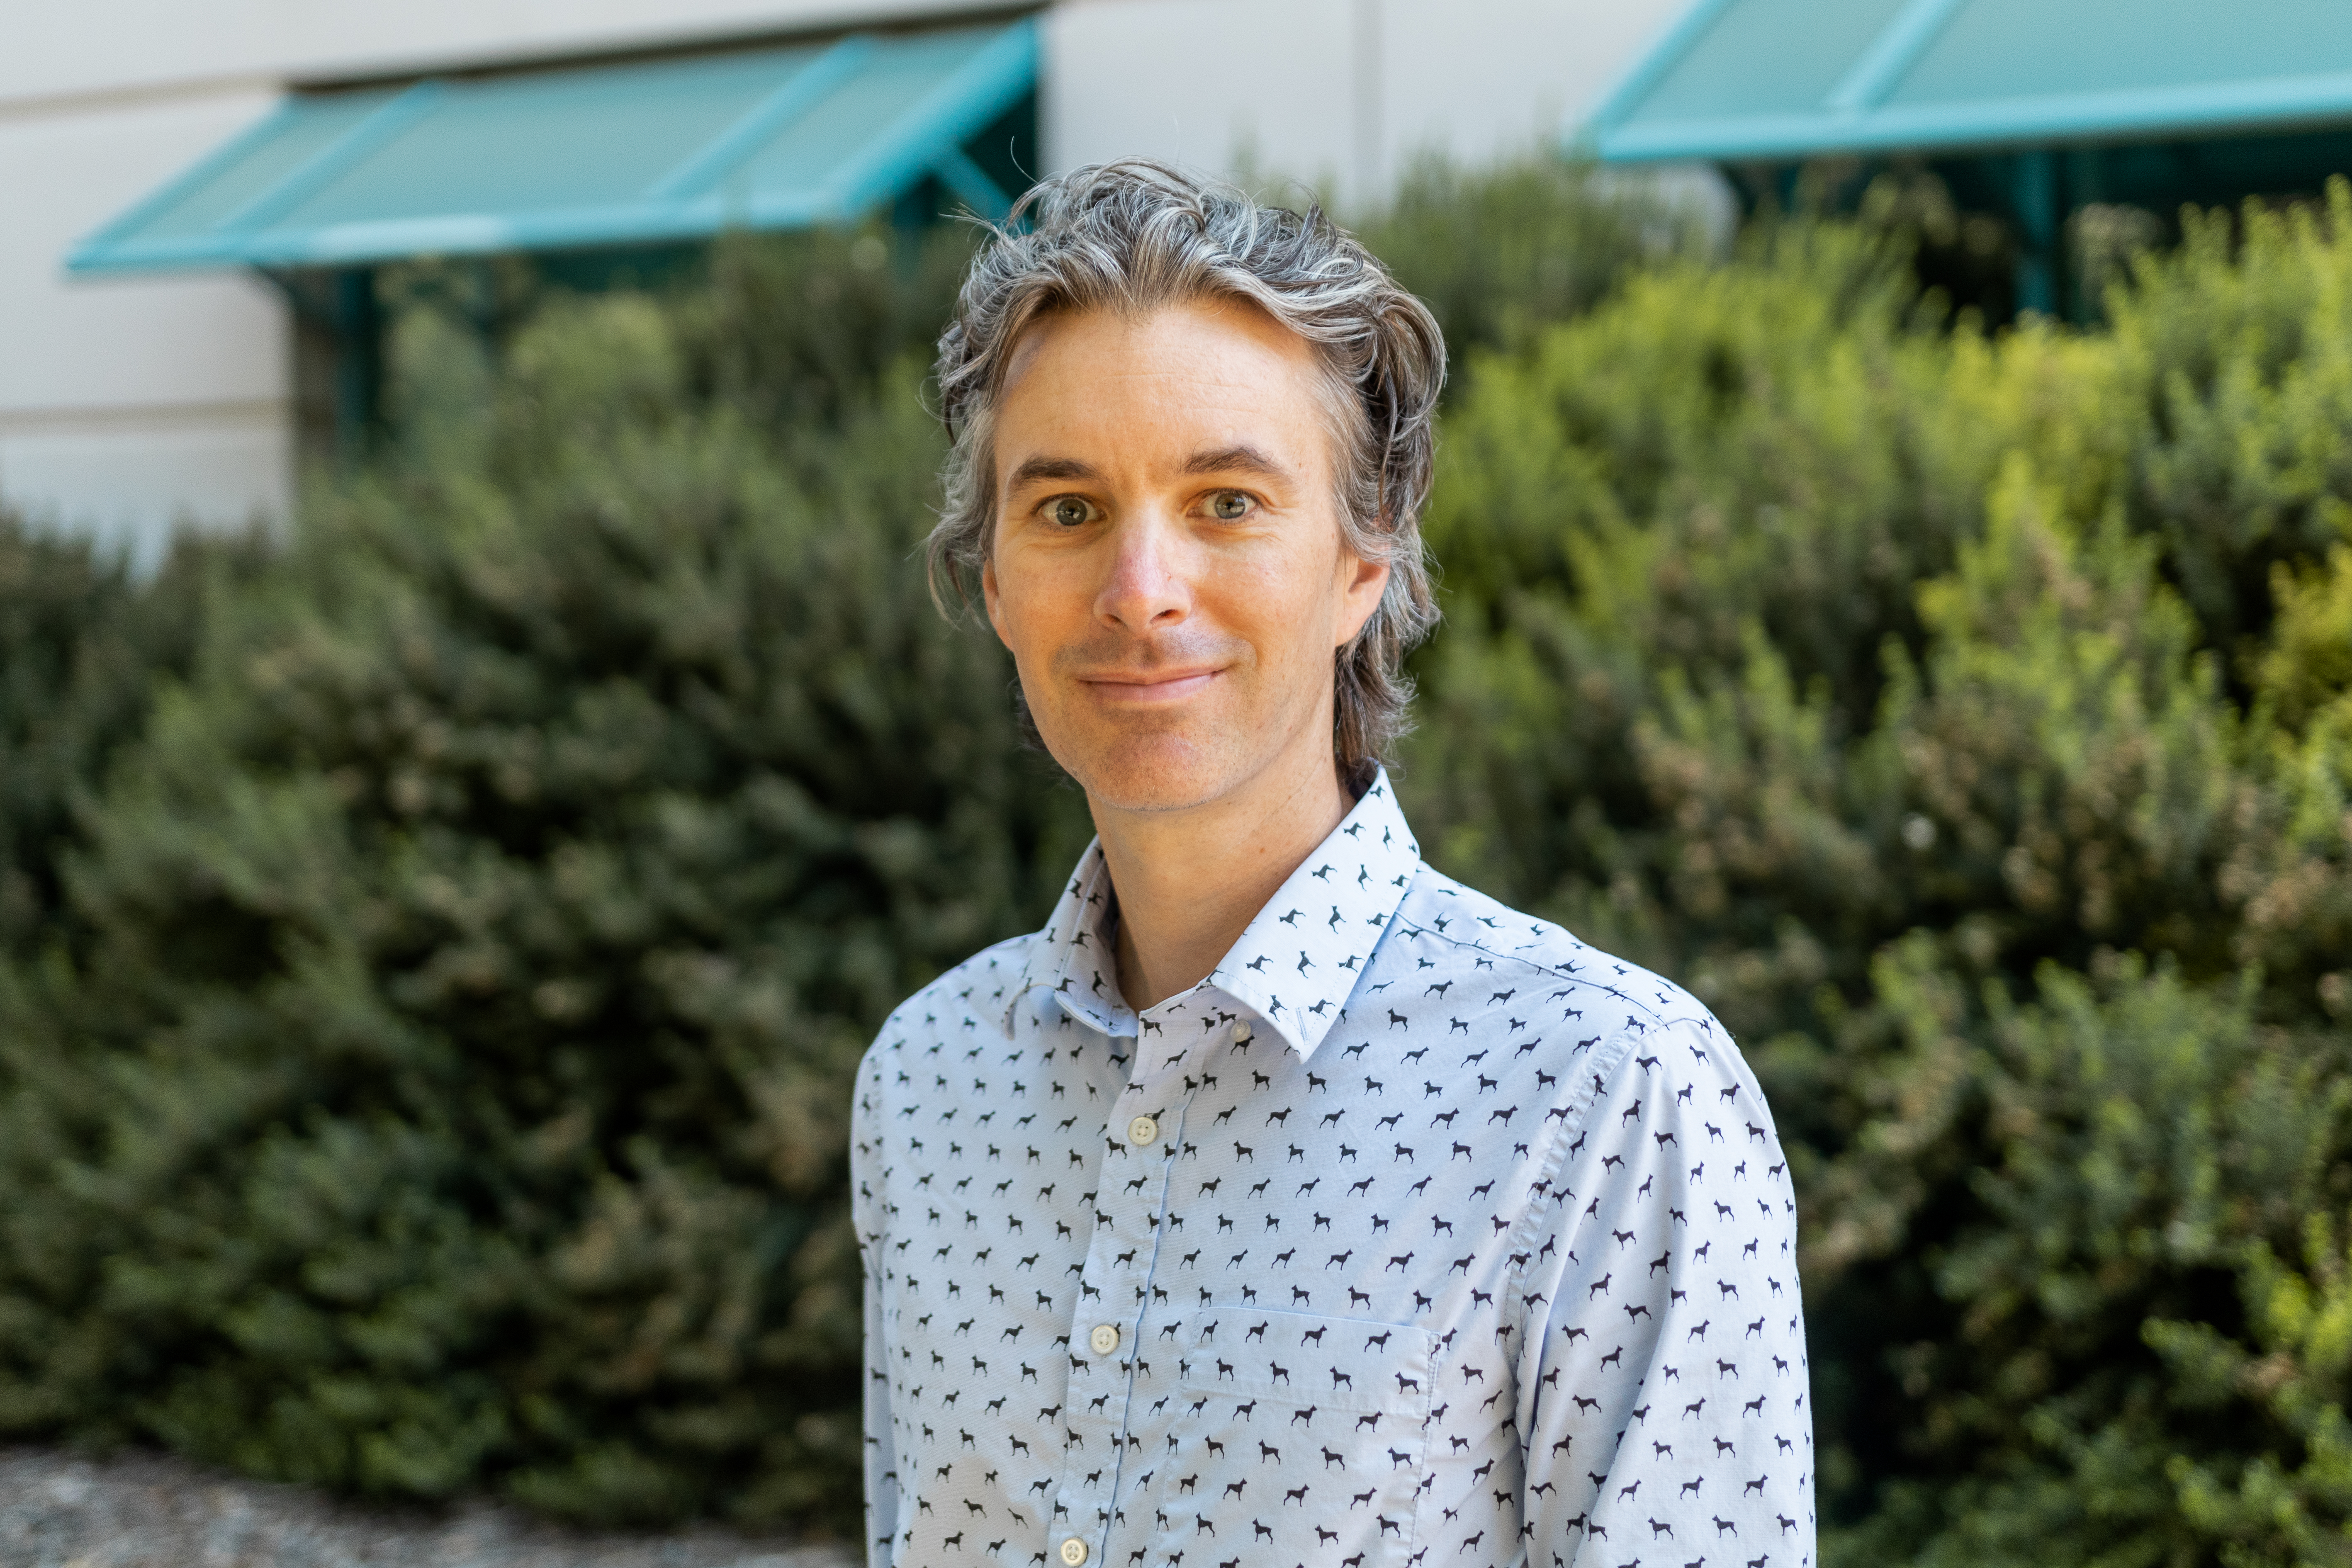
1784	80
596	155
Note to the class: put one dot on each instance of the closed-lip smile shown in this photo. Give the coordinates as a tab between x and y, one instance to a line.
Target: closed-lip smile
1151	685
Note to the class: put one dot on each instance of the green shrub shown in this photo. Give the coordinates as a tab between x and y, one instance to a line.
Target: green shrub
1500	252
436	949
1965	721
81	647
450	1085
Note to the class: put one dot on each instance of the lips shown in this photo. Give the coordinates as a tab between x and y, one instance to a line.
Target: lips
1153	686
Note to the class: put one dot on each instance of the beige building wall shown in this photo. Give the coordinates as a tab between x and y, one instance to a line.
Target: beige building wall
1340	93
127	403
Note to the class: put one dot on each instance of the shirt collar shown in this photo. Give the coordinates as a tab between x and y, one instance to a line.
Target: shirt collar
1294	966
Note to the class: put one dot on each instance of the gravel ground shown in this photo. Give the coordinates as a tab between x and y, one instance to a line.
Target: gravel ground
147	1510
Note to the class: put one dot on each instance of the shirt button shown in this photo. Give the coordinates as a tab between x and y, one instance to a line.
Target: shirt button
1074	1551
1105	1340
1142	1129
1241	1031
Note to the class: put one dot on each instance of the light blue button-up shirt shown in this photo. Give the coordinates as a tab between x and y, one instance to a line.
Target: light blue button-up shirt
1418	1233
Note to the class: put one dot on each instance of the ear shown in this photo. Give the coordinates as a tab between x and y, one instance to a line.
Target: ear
1361	584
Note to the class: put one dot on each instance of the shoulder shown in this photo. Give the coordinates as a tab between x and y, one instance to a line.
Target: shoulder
960	1003
1439	907
1616	1019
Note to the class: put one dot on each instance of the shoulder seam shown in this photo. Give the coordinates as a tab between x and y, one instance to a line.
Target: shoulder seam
1652	1014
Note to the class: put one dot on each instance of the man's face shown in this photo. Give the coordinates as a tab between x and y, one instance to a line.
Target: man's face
1167	567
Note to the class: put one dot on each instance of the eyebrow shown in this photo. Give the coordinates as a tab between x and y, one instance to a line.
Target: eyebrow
1235	460
1038	470
1240	459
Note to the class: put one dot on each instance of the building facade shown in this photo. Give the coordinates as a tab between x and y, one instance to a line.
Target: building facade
134	401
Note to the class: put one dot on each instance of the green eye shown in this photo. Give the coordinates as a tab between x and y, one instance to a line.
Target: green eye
1071	512
1229	506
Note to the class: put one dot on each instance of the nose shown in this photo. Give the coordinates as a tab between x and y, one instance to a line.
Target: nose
1145	588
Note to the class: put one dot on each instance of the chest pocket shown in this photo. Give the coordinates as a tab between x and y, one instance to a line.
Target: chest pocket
1296	1432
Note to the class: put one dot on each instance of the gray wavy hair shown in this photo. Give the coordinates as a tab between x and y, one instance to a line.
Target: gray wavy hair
1136	235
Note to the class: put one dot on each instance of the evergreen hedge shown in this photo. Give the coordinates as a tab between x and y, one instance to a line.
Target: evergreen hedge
441	941
444	1076
1968	720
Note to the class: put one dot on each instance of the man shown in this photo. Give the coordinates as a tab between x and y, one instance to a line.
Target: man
1282	1200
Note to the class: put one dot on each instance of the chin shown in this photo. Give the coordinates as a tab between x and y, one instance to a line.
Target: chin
1149	772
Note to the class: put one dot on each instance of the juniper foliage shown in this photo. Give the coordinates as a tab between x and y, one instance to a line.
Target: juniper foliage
434	949
448	1082
1965	719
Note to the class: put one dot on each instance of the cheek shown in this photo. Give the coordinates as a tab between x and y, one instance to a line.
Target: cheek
1026	598
1283	603
1042	608
1023	623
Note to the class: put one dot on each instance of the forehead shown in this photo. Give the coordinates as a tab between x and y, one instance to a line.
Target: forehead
1196	370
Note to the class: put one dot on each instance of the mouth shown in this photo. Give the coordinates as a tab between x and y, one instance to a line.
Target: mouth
1149	687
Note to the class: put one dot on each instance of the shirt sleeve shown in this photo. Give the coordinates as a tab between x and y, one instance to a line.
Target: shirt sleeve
1665	1402
866	1213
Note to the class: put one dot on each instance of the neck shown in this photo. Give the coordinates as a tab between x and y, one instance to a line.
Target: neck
1191	881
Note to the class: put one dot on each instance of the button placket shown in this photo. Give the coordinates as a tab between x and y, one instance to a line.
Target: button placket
1120	1253
1139	1214
1202	1080
1130	1224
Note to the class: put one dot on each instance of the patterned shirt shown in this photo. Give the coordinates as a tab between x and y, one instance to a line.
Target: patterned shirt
1418	1233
